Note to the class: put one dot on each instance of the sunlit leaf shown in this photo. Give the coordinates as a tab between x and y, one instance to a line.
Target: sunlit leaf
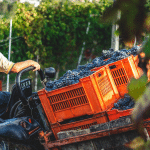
136	143
147	145
142	106
136	87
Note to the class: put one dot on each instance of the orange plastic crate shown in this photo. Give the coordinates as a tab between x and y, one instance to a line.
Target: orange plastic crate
122	72
116	114
93	94
82	124
105	87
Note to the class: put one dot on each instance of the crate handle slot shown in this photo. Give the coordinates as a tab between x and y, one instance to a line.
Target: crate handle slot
112	67
99	74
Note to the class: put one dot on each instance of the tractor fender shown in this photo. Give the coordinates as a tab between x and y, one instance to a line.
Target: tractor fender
19	128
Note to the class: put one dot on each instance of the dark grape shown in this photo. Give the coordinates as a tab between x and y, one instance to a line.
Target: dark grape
124	103
72	77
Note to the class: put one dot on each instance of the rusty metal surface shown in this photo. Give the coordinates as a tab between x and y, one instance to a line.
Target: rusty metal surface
93	135
89	136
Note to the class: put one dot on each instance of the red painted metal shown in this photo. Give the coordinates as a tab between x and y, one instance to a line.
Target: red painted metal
89	136
93	95
93	135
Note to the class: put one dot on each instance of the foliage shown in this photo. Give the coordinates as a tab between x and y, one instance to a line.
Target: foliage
132	21
55	31
135	22
7	9
136	143
134	87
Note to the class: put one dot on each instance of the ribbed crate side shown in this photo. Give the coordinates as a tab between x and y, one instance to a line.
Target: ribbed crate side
114	87
93	97
120	76
104	86
100	88
46	106
131	67
111	92
134	67
104	82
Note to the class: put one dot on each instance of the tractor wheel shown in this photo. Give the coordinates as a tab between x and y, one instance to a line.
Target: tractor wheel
4	145
7	145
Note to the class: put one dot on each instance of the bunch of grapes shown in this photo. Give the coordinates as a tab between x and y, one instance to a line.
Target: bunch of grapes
72	77
124	103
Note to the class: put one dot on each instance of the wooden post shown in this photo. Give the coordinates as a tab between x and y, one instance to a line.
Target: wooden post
114	38
9	51
36	76
0	85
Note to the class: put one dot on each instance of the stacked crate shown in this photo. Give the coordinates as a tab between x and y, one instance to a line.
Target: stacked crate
93	94
123	71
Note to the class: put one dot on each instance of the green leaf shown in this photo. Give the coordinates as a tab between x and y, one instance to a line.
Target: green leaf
136	143
136	87
142	107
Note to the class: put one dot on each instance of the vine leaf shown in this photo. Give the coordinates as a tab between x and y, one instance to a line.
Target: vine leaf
136	87
142	107
136	143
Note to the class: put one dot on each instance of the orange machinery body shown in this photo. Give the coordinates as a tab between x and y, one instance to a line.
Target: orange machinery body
112	115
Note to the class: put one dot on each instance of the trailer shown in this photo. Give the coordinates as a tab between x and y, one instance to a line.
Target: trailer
75	117
81	115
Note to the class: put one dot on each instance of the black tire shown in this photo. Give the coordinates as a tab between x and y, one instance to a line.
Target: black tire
4	145
8	145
